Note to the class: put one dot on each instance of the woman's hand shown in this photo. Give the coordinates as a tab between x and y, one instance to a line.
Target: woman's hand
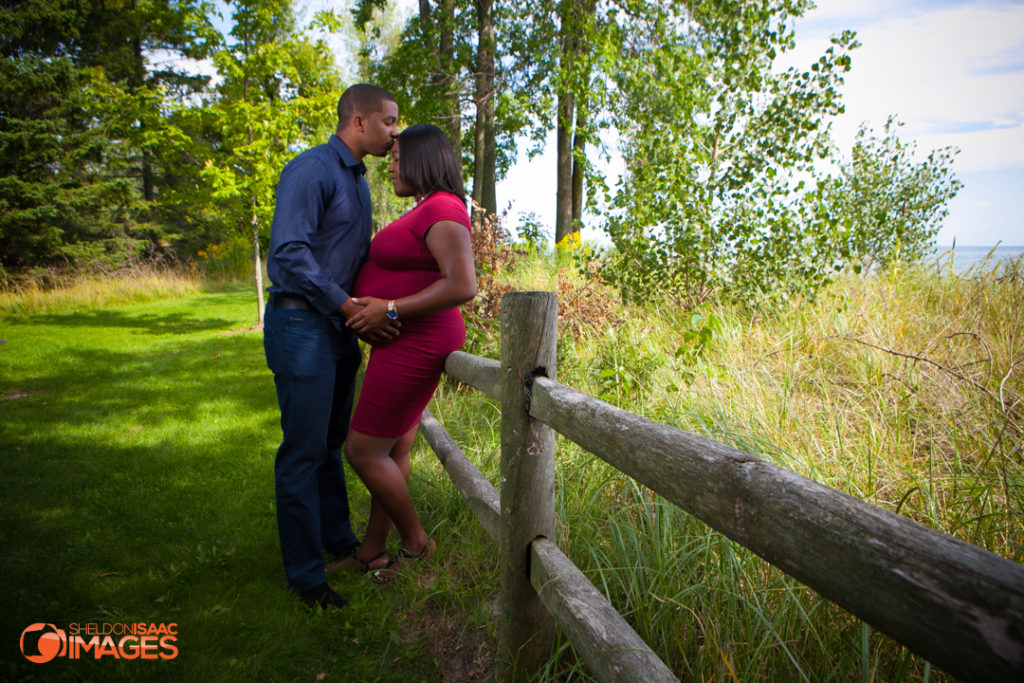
371	320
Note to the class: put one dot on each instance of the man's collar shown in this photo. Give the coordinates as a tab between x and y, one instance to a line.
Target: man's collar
346	155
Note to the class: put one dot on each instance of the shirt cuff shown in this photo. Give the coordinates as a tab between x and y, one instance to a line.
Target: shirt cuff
331	301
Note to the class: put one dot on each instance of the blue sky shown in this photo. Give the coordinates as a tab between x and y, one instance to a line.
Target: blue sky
951	70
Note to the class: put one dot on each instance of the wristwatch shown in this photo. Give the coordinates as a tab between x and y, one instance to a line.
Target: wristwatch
392	311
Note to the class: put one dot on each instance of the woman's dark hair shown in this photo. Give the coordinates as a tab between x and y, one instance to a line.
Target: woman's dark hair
428	162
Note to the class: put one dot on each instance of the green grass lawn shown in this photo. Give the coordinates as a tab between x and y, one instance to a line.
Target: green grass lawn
138	446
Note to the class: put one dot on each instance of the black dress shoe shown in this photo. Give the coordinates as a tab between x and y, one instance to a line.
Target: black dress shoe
322	596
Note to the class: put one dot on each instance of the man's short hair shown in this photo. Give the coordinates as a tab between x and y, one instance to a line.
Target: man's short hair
361	98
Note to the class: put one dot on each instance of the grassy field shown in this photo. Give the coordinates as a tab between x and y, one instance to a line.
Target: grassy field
139	425
138	448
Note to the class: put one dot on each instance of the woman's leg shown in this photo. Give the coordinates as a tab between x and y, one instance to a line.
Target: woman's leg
401	450
383	465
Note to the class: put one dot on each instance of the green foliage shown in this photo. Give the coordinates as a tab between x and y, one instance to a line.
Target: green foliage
720	146
531	232
112	149
626	370
527	34
63	179
697	338
106	151
119	36
278	95
185	208
888	206
714	141
431	69
424	81
80	119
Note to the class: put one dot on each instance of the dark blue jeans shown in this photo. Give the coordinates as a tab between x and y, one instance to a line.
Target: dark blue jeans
314	359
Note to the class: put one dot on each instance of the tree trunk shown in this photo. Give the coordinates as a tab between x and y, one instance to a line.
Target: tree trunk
148	183
443	50
563	181
483	153
258	264
446	74
254	219
138	80
254	223
579	147
574	68
489	192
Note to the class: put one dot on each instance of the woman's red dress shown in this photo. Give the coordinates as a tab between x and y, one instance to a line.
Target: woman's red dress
403	372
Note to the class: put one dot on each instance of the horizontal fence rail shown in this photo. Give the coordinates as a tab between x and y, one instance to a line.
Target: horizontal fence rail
955	604
479	493
607	643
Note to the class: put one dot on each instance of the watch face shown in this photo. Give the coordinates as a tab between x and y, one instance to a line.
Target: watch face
393	314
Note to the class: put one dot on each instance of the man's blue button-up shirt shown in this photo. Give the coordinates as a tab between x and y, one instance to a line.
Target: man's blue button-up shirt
322	226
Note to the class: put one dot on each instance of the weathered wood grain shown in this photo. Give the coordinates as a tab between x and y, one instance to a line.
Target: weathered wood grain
480	373
528	339
957	605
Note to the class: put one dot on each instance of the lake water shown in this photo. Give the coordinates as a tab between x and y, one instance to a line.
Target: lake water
965	257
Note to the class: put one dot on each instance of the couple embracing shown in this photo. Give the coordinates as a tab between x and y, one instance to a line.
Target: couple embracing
333	285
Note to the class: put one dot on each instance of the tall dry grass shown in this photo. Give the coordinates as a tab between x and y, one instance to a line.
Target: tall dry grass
902	388
137	285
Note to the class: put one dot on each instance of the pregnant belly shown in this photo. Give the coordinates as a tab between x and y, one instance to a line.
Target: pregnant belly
392	284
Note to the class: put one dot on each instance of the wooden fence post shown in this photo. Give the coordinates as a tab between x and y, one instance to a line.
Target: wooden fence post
528	343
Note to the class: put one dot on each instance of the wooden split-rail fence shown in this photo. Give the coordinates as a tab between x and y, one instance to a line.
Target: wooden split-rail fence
956	605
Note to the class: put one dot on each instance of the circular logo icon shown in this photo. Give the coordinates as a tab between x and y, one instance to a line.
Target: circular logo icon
42	642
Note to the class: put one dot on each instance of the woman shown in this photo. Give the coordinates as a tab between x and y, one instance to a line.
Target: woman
419	270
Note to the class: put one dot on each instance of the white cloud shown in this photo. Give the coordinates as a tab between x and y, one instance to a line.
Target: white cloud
953	74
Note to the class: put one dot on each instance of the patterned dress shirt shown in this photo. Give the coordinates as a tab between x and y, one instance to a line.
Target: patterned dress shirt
322	226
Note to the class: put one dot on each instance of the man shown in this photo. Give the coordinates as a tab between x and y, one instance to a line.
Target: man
318	239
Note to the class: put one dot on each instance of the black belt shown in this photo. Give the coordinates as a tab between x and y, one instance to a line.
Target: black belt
290	302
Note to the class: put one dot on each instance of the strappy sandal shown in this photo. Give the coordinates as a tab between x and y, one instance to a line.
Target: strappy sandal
354	562
387	573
